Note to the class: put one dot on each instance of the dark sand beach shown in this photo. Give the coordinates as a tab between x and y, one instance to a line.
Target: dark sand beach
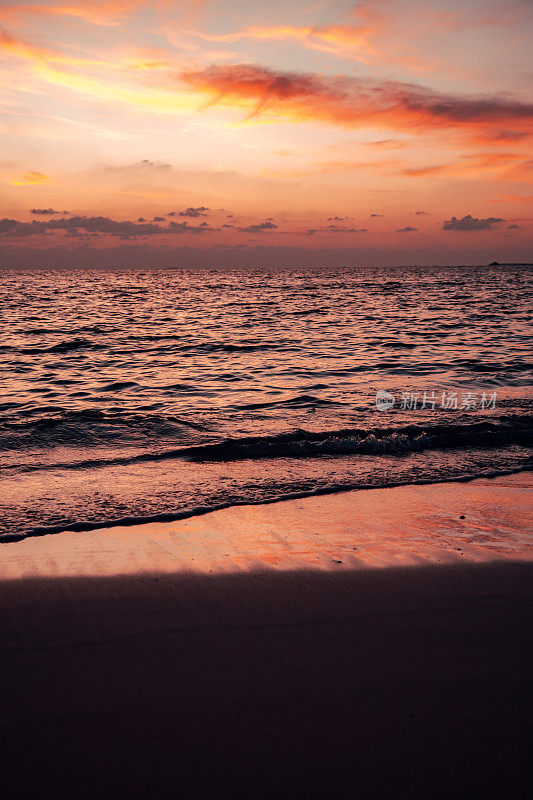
381	652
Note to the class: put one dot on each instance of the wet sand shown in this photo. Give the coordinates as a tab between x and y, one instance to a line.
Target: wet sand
366	644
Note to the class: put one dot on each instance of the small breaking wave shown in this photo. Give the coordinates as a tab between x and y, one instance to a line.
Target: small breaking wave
372	441
298	444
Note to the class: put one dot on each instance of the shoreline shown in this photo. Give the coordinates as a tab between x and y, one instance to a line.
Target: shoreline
394	526
80	527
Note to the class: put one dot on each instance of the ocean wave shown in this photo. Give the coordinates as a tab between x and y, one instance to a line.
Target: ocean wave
70	345
308	311
299	401
372	441
302	444
54	426
64	347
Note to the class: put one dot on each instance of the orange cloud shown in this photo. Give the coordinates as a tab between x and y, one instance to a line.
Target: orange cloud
506	137
19	48
106	12
502	166
388	144
68	72
420	172
354	102
30	178
345	40
513	198
41	56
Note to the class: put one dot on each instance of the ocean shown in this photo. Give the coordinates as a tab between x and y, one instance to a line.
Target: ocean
129	395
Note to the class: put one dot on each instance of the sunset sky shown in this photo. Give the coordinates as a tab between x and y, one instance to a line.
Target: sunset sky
229	132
